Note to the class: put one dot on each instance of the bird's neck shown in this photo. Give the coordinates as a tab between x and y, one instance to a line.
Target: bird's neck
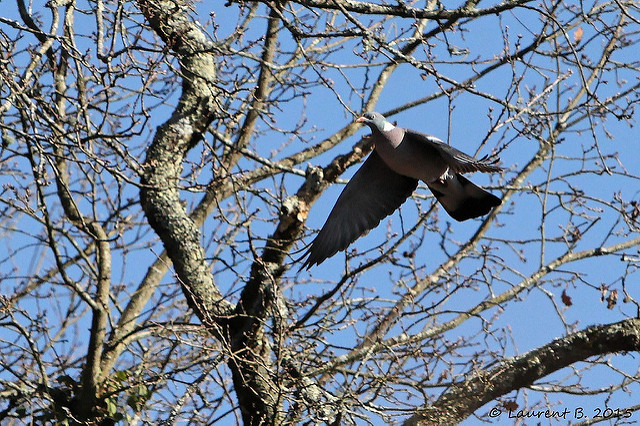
389	138
388	127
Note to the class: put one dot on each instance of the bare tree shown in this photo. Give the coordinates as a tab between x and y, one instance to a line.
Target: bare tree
159	162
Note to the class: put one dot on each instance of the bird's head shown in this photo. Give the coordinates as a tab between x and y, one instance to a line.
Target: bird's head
375	121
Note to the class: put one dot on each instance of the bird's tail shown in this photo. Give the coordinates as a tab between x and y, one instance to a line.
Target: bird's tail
462	199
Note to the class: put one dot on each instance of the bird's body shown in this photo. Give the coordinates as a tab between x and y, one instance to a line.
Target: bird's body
418	162
390	174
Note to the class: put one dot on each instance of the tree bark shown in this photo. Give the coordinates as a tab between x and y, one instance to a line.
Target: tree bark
464	398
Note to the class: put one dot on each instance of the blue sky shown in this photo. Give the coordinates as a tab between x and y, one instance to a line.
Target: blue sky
463	121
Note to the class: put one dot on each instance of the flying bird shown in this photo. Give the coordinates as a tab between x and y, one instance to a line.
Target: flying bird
389	176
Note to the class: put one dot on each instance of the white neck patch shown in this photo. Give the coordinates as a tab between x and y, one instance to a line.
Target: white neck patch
388	127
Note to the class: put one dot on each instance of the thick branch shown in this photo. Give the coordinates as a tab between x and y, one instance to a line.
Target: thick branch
403	11
92	374
465	397
159	196
251	366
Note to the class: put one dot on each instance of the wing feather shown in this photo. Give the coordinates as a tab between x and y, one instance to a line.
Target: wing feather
458	161
374	192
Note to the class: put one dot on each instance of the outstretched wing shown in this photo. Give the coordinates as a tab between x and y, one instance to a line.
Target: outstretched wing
374	192
458	161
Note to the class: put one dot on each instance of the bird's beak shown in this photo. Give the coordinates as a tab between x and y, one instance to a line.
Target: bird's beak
361	120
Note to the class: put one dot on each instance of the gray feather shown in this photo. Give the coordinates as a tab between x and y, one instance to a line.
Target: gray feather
374	192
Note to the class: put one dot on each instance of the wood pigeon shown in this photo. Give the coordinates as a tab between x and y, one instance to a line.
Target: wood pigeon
390	174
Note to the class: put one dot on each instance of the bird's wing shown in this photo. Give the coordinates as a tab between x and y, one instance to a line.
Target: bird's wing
458	161
374	192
